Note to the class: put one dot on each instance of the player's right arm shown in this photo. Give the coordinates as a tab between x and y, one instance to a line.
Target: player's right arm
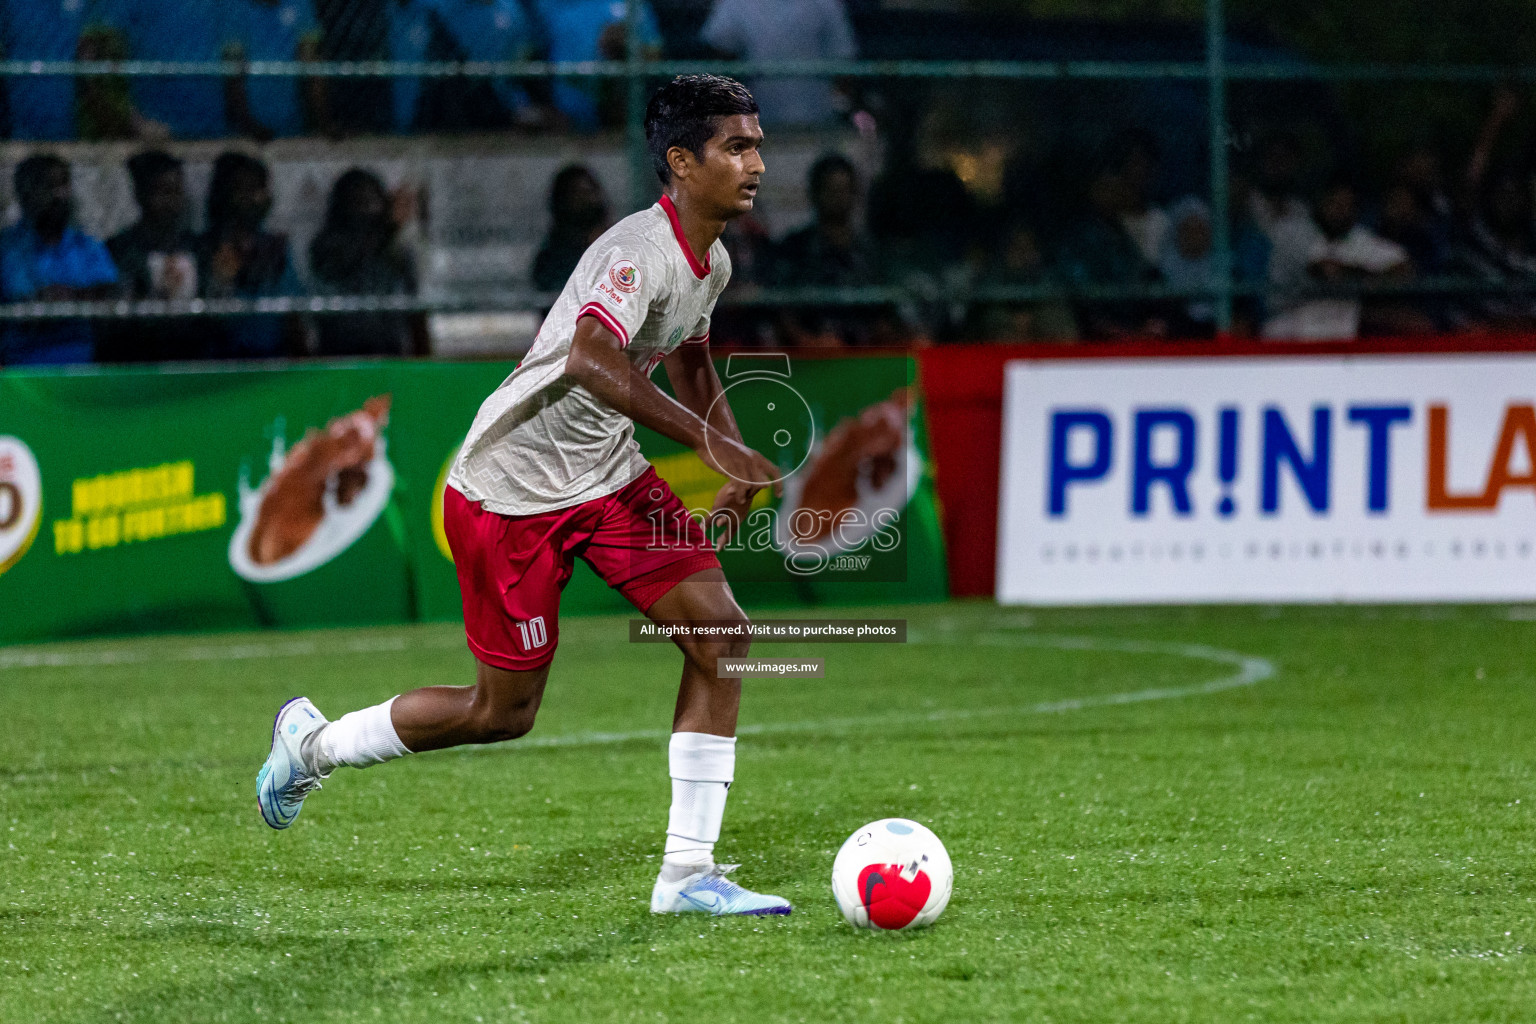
597	362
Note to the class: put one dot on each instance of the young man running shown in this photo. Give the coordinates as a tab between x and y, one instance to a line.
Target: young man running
551	471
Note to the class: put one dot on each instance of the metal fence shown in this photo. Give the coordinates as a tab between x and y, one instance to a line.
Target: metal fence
638	74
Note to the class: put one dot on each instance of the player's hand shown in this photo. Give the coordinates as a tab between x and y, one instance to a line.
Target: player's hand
739	464
732	504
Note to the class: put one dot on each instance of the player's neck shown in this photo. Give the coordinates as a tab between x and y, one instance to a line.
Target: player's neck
700	229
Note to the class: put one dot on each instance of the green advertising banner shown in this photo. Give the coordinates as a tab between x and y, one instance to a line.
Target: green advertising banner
149	500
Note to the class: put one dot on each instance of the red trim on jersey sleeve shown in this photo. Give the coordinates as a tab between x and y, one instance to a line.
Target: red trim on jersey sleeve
700	271
700	339
607	319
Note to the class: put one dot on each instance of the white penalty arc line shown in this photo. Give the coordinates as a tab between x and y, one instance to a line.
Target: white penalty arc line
1250	670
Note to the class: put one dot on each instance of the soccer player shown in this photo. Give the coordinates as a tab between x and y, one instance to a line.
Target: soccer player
551	471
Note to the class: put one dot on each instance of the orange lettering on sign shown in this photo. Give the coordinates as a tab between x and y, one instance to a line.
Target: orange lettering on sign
1519	423
1440	498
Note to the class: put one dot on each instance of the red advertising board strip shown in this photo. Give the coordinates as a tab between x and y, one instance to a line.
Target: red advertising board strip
963	391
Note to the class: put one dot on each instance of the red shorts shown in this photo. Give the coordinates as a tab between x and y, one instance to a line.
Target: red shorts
639	539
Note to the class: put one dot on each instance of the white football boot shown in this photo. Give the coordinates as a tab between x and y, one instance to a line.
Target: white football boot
285	780
710	892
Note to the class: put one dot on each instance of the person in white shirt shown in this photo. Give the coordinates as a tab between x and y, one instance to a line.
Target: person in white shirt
1327	246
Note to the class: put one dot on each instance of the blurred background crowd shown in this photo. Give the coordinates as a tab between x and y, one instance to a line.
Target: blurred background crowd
898	210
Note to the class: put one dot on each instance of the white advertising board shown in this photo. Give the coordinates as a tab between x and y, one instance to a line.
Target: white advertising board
1363	478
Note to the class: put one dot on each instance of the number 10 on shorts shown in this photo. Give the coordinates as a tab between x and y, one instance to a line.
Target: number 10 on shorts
533	633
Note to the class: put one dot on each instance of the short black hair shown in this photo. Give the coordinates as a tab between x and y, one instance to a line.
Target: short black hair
145	167
30	172
226	167
685	112
826	166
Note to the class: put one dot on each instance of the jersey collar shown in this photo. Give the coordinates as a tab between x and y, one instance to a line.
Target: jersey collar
700	271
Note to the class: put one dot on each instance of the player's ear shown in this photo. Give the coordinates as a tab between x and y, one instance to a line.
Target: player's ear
681	160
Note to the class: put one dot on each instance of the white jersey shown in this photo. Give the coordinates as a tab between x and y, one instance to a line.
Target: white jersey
542	442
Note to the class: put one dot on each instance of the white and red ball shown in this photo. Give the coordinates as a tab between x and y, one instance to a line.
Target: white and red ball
892	874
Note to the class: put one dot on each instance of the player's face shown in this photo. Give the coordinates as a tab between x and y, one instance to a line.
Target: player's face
727	178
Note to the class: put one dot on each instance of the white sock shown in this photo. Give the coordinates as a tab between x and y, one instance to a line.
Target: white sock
359	739
702	768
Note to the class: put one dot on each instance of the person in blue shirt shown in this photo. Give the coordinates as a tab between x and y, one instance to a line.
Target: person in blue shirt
188	107
42	106
593	30
45	258
463	30
410	36
266	107
239	259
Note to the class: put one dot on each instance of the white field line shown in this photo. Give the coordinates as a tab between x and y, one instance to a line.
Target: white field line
1249	670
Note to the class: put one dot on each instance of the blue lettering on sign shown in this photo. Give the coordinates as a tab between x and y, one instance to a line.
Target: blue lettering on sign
1175	474
1280	446
1378	421
1064	472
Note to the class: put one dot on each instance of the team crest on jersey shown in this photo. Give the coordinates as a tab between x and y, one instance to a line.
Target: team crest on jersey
625	276
677	336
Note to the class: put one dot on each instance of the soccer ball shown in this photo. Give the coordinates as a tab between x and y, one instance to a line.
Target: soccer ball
892	874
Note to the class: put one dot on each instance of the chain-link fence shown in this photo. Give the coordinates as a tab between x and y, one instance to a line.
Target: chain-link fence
405	159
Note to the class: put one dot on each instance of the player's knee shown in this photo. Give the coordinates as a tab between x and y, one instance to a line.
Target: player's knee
706	652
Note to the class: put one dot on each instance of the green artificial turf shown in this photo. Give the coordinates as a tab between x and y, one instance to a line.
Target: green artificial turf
1348	839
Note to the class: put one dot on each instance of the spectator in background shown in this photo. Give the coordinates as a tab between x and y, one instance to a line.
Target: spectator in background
1185	262
1098	251
1328	246
360	30
45	258
410	39
183	106
1146	223
477	30
42	106
578	214
785	30
361	250
238	258
270	107
157	258
830	252
577	30
1018	261
1275	195
1500	250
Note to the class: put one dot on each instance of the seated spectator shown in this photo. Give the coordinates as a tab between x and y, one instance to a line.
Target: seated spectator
42	106
1146	222
238	258
1185	262
1275	195
1500	250
157	258
1098	251
1020	262
578	30
269	107
360	251
830	252
785	30
45	258
1329	246
578	213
